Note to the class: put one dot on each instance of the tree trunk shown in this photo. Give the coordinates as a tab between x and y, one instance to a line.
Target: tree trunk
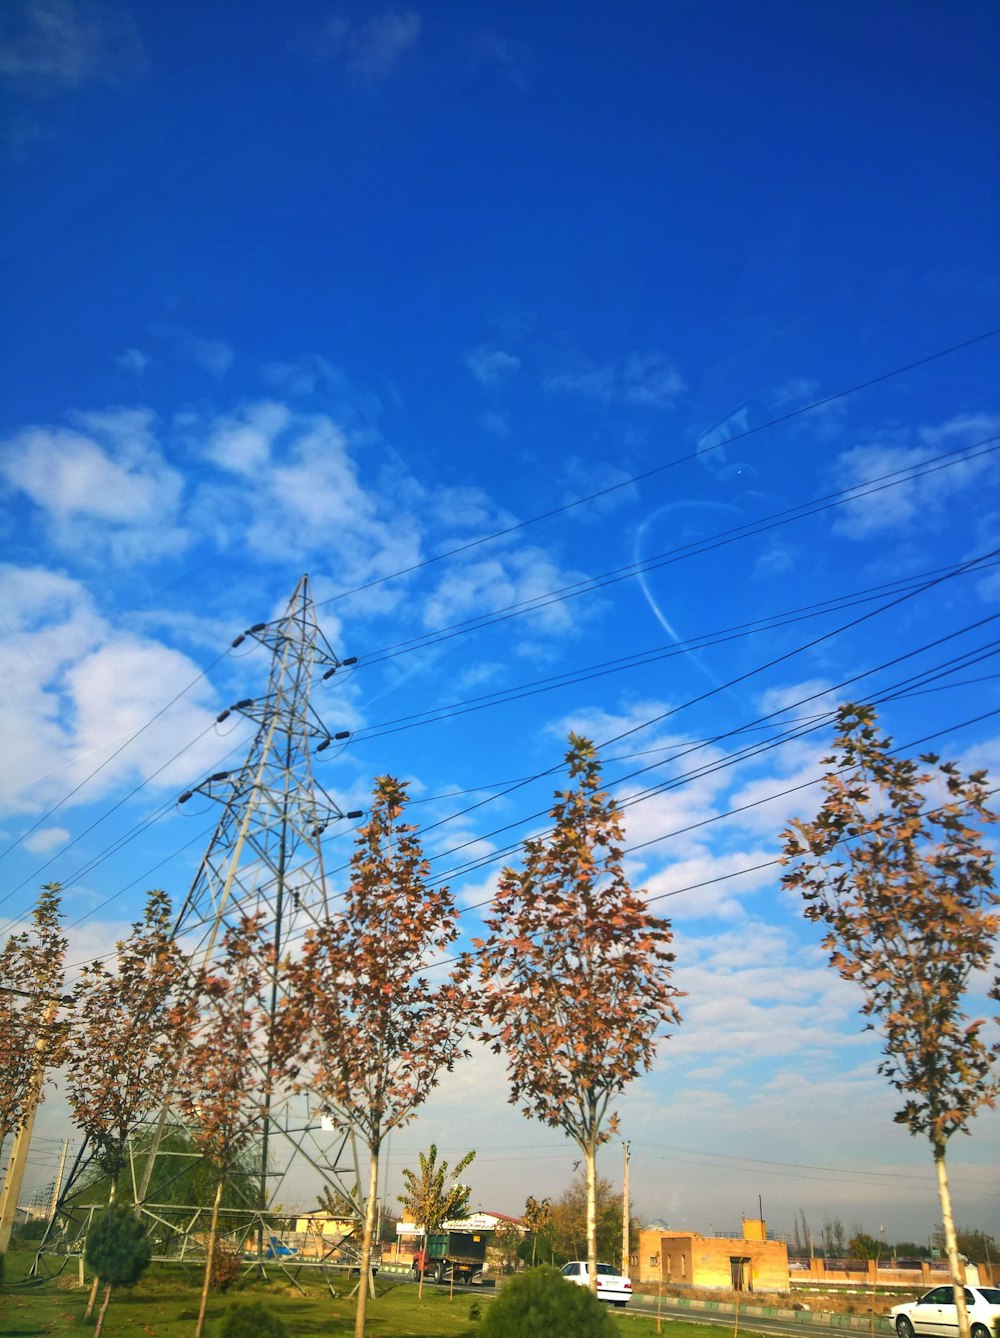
92	1299
212	1230
951	1244
103	1312
364	1282
590	1152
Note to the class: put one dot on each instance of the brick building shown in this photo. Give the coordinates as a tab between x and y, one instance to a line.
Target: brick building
686	1259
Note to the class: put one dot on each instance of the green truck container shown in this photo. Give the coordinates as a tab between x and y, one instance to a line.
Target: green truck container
456	1254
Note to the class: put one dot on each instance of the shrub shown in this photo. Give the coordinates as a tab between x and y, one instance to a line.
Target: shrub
251	1319
2	1257
117	1249
227	1265
541	1301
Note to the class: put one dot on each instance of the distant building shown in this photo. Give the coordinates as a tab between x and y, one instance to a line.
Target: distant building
686	1259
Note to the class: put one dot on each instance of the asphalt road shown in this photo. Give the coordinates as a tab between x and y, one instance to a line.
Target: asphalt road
646	1305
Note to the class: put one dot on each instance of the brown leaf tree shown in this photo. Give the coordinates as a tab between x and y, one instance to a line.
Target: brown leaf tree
574	975
224	1075
370	1033
31	982
894	865
32	1033
130	1025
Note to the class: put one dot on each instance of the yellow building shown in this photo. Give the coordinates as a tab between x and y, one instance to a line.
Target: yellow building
686	1259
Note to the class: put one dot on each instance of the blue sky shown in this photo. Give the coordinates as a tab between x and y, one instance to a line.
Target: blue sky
340	289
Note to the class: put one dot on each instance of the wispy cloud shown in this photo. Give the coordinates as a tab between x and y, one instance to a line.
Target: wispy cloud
644	380
132	360
490	366
368	52
48	46
508	57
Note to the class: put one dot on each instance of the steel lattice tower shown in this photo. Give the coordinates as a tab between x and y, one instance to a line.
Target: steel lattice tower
265	856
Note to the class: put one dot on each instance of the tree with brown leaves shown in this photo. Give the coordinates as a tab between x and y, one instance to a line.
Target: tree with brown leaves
224	1074
31	982
32	1035
574	975
131	1024
370	1033
895	866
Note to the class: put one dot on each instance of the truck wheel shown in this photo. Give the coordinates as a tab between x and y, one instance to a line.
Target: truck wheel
439	1271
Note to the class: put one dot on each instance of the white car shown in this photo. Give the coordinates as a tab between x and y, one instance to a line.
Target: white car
936	1313
611	1286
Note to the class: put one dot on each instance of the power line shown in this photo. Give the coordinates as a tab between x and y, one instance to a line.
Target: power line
670	464
722	538
641	659
514	694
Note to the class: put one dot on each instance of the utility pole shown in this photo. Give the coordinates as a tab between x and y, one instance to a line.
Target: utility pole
625	1242
11	1191
57	1186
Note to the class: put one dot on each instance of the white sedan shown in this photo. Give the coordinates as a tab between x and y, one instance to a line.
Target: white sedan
611	1286
936	1313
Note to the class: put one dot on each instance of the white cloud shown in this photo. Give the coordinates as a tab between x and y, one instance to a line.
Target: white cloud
241	442
919	502
368	52
77	689
644	380
482	585
100	485
491	366
698	896
51	45
45	840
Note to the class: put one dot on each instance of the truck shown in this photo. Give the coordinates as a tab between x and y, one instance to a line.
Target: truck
452	1254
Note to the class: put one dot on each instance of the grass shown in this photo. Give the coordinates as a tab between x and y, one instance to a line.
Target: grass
165	1305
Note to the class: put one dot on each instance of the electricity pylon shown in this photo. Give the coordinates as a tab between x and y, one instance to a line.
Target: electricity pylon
265	858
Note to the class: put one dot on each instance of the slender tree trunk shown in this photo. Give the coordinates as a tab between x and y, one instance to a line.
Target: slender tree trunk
103	1311
364	1282
212	1231
950	1241
590	1152
92	1299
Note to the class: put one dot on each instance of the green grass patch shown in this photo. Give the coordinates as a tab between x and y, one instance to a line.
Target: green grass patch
165	1305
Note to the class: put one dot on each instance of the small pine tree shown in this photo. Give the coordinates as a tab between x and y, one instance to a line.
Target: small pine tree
118	1252
541	1301
251	1319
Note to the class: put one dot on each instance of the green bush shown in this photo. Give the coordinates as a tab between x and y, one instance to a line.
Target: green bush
2	1257
541	1301
251	1319
117	1249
